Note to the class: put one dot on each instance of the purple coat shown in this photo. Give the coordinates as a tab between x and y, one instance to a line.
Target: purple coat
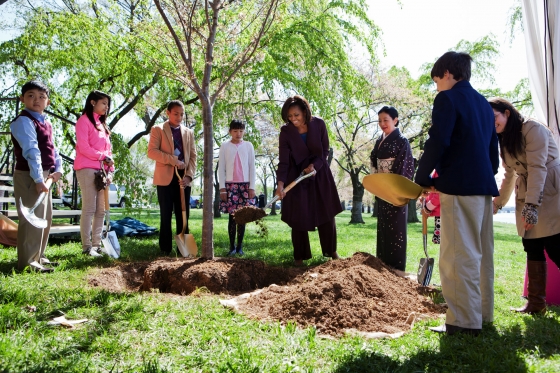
313	201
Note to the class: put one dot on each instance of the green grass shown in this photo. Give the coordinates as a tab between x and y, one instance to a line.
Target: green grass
151	332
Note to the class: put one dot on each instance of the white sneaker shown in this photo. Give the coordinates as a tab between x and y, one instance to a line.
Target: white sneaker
93	252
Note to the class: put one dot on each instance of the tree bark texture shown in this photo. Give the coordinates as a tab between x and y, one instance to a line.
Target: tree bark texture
357	197
207	250
412	215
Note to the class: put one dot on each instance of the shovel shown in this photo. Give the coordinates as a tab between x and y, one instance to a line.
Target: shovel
248	214
28	213
109	239
185	242
393	188
426	266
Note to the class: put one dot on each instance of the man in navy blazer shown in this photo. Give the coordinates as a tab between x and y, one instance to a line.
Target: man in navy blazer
463	149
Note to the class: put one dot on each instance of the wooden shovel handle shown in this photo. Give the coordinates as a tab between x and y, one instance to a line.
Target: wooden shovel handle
183	204
106	192
424	223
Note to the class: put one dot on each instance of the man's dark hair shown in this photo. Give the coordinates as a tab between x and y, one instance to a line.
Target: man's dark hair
299	102
35	84
236	125
174	103
457	63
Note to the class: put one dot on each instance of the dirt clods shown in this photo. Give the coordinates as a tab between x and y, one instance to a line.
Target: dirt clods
358	293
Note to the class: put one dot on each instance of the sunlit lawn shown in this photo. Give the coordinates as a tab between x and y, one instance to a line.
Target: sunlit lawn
151	332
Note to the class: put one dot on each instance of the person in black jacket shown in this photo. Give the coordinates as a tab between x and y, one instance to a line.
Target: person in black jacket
463	149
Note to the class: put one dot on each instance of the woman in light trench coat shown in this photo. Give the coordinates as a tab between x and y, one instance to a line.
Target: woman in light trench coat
531	161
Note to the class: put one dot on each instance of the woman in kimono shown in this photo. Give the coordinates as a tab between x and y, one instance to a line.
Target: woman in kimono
314	202
530	158
391	154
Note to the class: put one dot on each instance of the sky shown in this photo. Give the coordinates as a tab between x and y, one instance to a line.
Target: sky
419	31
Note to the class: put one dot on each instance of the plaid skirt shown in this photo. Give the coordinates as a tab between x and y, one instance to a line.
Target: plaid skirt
237	196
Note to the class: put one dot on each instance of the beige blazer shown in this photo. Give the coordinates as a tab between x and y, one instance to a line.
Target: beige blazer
161	149
535	175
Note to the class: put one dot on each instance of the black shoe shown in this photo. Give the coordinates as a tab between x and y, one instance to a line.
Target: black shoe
452	329
232	252
240	251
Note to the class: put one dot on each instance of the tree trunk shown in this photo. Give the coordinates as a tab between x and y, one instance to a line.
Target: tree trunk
265	192
216	194
273	207
412	216
274	187
357	197
207	247
375	208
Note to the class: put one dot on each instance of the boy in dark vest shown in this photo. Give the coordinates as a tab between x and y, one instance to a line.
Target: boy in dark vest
36	160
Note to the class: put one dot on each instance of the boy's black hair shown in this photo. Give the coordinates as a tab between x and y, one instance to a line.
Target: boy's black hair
96	95
391	111
300	102
174	103
236	125
457	63
35	84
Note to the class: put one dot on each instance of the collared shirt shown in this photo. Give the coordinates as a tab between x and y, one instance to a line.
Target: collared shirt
23	130
178	141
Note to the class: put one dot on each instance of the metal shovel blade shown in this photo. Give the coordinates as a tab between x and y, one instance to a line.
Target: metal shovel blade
192	249
28	214
111	245
426	266
181	244
425	269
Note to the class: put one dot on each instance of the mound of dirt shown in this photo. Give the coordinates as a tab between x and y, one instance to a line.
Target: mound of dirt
358	293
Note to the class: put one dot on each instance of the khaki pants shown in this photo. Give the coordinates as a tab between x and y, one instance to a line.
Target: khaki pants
466	261
31	241
93	209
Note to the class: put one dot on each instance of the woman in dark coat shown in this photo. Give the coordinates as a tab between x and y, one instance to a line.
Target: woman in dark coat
391	154
314	202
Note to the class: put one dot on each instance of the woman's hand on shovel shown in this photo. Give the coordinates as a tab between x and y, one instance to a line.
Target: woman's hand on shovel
309	169
280	190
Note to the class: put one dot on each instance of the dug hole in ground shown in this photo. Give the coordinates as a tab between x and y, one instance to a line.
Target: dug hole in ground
357	295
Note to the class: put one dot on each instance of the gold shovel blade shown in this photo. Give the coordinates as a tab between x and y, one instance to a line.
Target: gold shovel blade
392	188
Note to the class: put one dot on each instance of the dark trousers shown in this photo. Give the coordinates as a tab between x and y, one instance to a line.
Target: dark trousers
327	238
535	248
170	200
232	228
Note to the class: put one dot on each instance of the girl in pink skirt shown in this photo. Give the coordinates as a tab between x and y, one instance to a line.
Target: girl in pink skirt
236	175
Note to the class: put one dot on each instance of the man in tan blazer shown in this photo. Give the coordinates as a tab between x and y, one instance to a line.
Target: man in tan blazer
172	145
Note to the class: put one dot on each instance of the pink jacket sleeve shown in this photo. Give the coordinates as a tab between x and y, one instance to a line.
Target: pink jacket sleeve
83	127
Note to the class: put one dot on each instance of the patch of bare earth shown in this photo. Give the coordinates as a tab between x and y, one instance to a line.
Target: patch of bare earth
359	293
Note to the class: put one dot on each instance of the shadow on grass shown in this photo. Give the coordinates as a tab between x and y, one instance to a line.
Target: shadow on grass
492	351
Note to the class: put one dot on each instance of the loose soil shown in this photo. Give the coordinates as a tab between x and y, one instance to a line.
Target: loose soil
358	293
